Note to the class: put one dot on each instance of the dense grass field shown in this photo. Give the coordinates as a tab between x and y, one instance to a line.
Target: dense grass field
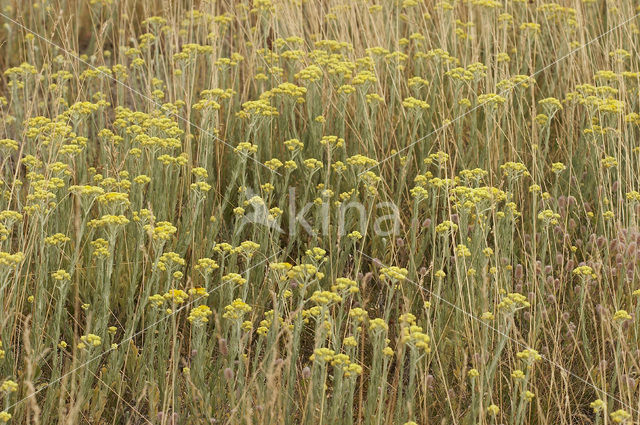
319	212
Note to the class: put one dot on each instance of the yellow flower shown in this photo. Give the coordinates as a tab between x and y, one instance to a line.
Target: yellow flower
446	227
273	163
322	355
236	310
491	99
61	275
513	170
597	405
584	271
487	315
529	355
57	239
355	235
548	217
91	340
378	324
199	315
517	374
620	416
463	251
609	162
414	336
109	220
206	266
621	316
394	274
9	386
325	297
558	167
345	284
234	278
531	27
349	342
413	103
312	163
512	302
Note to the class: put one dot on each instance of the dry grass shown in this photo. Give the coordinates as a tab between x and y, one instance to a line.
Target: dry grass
308	212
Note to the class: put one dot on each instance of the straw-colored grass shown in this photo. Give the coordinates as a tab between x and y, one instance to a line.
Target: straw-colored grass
319	212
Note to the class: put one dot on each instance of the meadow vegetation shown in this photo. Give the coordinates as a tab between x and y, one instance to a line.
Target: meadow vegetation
319	212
